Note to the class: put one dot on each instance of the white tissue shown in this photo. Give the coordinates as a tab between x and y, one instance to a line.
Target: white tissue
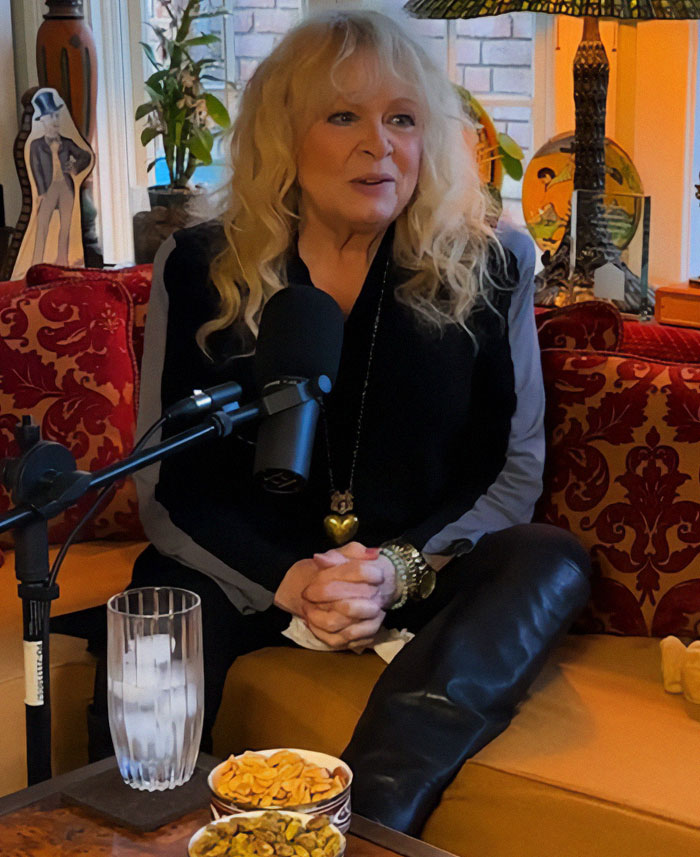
672	657
690	674
387	642
680	667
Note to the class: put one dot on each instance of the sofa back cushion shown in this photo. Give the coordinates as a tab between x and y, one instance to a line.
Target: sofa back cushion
590	325
622	471
136	280
66	358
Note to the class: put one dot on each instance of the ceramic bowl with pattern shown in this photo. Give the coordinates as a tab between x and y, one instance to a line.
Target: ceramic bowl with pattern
227	801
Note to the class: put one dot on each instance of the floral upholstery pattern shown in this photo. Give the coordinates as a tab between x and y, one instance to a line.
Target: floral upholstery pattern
622	471
66	358
136	280
591	325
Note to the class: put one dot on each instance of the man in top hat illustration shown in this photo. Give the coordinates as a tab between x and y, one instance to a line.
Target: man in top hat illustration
54	160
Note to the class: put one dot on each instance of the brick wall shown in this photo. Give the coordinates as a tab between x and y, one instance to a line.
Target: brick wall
258	26
494	58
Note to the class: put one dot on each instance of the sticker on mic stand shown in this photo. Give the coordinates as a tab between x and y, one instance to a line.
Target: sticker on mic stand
33	672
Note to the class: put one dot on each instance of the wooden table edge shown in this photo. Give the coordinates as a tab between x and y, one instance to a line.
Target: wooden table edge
360	826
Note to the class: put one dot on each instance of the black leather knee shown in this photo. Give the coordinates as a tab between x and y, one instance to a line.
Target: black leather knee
457	685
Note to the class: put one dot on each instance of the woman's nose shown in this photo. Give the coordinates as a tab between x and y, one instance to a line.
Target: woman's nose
377	140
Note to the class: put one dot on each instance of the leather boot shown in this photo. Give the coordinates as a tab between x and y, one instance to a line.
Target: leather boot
456	685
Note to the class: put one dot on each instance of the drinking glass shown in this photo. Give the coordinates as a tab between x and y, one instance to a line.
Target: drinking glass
155	685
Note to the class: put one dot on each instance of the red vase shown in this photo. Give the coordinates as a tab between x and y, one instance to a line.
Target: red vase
66	61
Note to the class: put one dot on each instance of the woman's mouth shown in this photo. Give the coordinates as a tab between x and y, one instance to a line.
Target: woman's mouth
372	185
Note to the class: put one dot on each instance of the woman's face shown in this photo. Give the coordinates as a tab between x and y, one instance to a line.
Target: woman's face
358	164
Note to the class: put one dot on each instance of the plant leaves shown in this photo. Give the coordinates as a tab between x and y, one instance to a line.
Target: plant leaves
148	134
148	50
512	166
217	110
206	39
144	109
152	164
155	95
200	145
509	146
157	77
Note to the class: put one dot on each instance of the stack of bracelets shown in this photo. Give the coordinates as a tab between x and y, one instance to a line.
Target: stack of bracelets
415	578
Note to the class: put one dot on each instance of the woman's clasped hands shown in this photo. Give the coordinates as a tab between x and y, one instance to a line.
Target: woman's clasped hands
341	594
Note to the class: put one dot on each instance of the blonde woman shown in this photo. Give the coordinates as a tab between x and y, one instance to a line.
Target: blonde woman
350	175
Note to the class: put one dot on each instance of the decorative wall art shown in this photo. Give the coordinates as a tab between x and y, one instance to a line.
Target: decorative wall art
53	160
549	183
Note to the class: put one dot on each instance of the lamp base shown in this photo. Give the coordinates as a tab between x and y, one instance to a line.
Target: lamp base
557	285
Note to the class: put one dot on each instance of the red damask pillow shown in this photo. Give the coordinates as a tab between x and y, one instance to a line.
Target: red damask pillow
589	325
136	280
622	471
66	358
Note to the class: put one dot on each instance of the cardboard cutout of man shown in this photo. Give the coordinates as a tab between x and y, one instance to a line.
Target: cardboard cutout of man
54	161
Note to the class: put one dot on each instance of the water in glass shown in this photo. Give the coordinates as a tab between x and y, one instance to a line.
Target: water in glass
155	685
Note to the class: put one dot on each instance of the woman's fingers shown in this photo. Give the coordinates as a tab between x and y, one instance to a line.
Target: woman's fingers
355	571
350	636
328	621
352	550
341	615
325	591
330	559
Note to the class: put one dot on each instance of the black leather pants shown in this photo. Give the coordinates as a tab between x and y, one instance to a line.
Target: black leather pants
497	613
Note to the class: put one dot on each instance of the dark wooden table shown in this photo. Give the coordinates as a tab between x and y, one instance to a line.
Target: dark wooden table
39	822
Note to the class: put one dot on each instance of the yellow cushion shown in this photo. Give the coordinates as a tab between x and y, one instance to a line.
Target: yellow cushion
91	573
294	698
598	761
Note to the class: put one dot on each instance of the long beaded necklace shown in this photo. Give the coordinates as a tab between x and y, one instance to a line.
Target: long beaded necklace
342	523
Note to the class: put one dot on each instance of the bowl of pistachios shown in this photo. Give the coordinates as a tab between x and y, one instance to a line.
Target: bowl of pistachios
268	833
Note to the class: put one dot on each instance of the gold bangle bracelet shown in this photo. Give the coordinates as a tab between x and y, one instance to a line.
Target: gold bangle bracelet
420	575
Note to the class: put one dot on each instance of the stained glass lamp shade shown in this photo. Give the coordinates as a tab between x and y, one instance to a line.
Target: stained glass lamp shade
591	72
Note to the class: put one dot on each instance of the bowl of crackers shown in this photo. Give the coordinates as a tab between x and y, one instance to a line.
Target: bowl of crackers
283	779
268	833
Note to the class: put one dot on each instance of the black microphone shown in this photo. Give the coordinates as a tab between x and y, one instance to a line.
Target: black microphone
300	338
204	401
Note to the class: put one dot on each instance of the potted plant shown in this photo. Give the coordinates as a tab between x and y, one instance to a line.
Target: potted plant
180	110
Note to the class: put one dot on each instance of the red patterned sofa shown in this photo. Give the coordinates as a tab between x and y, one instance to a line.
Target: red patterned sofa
599	760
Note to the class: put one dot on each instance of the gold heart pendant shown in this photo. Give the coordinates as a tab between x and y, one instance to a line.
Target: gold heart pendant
341	528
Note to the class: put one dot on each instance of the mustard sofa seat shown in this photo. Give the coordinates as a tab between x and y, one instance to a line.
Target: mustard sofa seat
599	761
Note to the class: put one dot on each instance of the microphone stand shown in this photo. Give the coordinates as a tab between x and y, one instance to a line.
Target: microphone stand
44	481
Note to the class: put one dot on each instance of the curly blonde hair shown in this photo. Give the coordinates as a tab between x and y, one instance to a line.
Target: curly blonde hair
441	238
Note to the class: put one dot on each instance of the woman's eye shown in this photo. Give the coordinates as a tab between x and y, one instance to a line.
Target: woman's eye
403	120
343	118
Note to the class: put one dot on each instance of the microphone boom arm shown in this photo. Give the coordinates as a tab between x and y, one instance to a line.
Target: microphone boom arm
44	481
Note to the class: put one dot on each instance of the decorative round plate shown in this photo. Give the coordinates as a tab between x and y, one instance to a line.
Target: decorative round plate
490	166
549	183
